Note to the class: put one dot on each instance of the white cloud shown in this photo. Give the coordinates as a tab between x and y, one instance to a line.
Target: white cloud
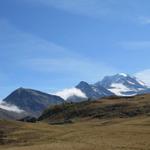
9	107
144	76
66	93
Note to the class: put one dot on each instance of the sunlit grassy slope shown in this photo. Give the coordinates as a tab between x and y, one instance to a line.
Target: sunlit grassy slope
108	108
127	133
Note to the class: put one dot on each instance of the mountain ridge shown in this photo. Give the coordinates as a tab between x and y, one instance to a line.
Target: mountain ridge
32	101
120	84
123	85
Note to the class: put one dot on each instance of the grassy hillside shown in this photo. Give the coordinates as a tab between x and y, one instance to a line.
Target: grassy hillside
113	107
89	130
116	134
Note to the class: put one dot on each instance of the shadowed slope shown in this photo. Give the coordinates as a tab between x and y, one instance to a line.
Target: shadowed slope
112	107
32	101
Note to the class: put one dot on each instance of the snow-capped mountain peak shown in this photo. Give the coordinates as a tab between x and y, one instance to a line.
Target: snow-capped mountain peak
123	74
123	84
120	84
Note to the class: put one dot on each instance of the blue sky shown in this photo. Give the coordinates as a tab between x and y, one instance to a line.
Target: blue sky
53	44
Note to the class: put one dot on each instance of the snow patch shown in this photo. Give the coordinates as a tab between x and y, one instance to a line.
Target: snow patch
140	82
118	88
66	93
95	89
131	83
9	107
123	74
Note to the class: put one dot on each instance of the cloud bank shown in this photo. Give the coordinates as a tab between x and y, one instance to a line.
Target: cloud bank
9	107
66	93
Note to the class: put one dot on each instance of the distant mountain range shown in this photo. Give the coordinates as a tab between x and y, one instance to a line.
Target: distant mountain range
119	85
32	102
123	85
93	91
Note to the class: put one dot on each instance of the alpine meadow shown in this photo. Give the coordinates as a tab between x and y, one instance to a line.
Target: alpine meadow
74	75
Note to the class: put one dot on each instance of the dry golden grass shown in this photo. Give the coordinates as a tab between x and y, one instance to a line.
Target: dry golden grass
114	131
112	107
116	134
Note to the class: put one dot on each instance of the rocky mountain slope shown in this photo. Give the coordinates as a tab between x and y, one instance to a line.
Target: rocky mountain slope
119	85
93	92
123	85
31	101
